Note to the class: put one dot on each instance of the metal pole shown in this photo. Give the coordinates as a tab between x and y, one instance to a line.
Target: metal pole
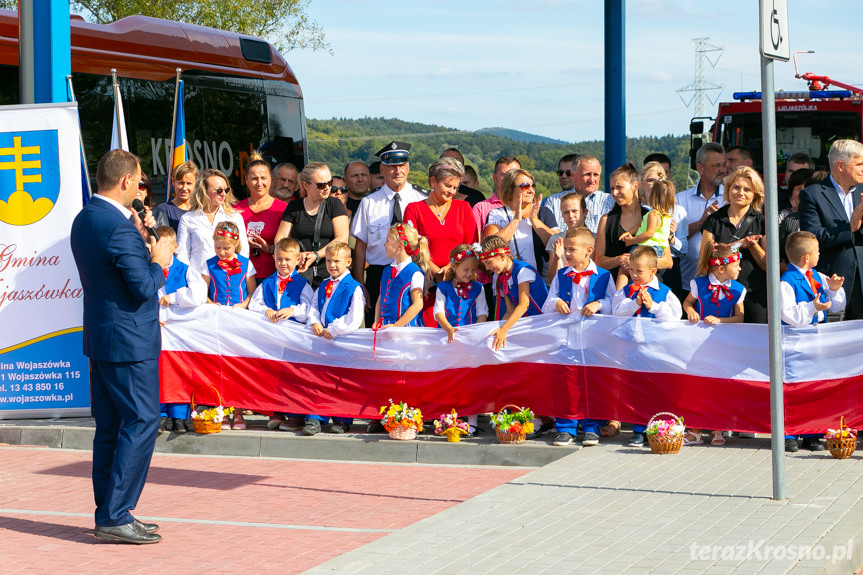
777	406
72	98
615	86
26	58
169	169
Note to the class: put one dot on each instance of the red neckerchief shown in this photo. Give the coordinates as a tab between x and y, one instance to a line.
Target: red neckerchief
329	289
283	283
503	282
576	278
166	271
633	289
717	289
462	289
393	273
231	267
813	283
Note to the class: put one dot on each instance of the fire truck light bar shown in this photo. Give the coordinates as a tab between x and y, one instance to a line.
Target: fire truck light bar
805	95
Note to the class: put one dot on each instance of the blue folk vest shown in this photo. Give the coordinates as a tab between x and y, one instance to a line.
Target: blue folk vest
291	295
725	307
538	292
225	289
340	301
396	294
460	311
802	289
658	294
176	276
596	289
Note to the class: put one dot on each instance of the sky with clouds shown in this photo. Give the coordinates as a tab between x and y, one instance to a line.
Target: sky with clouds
537	65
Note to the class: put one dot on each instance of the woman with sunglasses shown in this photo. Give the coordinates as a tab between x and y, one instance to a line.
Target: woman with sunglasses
262	214
212	203
521	222
315	210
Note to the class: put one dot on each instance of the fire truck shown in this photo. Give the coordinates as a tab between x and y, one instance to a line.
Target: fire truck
806	121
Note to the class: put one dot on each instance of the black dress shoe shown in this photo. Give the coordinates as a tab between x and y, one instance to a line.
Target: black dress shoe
812	444
145	527
127	533
375	426
179	425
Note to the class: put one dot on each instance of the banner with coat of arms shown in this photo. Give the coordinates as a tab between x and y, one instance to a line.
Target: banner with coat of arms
43	372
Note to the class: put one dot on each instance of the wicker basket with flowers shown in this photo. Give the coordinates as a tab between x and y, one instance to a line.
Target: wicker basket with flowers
401	420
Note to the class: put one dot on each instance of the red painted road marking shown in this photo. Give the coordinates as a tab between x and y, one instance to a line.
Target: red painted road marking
220	511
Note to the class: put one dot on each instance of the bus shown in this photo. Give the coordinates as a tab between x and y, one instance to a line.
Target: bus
240	93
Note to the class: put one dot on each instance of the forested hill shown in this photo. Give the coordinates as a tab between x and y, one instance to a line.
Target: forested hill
339	141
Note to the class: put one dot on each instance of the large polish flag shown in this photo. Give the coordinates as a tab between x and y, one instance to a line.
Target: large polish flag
599	367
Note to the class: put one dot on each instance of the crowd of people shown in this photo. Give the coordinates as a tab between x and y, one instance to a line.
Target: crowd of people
337	254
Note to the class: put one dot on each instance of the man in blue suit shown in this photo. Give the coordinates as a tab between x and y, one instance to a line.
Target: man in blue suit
120	277
833	211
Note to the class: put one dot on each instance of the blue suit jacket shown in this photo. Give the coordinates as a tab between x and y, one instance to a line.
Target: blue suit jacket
821	213
121	315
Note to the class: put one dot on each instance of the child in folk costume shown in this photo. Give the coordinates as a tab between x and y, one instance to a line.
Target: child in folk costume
229	276
806	295
403	283
183	288
285	295
460	299
583	288
715	296
515	282
338	307
644	296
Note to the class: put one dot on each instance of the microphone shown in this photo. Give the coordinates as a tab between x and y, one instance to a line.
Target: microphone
138	206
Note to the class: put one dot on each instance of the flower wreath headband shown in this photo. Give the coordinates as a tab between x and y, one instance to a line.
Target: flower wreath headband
716	261
227	233
400	230
472	252
504	251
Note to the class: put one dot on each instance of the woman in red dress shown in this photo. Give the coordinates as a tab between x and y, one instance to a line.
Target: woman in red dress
262	214
445	221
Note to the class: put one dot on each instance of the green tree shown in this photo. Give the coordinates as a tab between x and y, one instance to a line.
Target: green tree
282	22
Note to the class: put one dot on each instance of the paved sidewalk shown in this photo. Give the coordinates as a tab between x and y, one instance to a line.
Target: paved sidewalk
219	514
612	509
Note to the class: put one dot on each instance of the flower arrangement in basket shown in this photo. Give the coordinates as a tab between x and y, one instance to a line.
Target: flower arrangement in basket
450	425
512	424
841	442
210	420
401	420
665	435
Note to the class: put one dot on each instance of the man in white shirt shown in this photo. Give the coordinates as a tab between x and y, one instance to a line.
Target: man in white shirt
564	178
377	212
701	201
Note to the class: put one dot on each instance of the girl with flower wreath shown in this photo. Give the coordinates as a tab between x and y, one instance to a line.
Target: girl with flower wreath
403	283
715	296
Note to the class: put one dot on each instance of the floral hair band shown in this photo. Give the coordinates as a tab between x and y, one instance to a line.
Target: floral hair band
504	251
400	230
473	251
227	233
716	261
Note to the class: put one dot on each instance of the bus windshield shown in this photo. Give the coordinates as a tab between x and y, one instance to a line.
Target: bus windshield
810	132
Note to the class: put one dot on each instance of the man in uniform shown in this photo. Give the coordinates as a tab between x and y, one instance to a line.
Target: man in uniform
376	213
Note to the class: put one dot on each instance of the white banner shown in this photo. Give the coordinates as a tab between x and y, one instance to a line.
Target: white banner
42	369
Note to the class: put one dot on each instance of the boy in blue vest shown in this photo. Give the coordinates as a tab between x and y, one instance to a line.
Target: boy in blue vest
184	287
285	295
644	296
579	287
338	308
806	295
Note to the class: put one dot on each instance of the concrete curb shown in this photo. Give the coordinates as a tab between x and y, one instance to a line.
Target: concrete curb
483	450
